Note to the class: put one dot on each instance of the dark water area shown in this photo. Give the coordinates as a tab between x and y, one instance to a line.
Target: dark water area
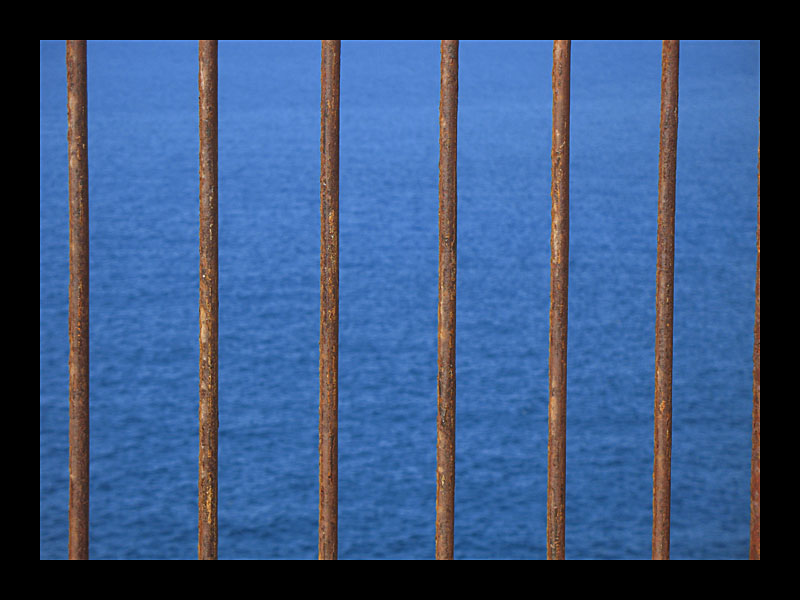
143	194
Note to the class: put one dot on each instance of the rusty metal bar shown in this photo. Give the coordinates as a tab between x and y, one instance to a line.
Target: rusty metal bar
77	148
328	547
446	346
755	463
668	147
559	284
209	302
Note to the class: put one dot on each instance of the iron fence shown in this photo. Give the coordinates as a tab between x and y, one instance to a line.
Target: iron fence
329	305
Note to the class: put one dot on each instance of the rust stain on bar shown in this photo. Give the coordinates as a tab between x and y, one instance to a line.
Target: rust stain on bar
559	280
209	302
77	147
664	299
329	303
755	464
446	379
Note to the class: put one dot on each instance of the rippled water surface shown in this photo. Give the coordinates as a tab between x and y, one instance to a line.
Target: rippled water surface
143	148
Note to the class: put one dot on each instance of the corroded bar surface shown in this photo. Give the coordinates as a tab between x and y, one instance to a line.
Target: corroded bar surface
755	463
77	148
662	450
446	379
329	303
559	280
209	302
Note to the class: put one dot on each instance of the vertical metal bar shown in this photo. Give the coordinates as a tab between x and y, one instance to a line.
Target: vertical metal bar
77	147
209	302
668	147
329	303
559	280
446	346
755	463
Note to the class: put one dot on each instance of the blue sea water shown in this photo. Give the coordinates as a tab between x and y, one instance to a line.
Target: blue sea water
143	156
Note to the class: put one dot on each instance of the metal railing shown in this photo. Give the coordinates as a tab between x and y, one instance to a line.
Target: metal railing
329	306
